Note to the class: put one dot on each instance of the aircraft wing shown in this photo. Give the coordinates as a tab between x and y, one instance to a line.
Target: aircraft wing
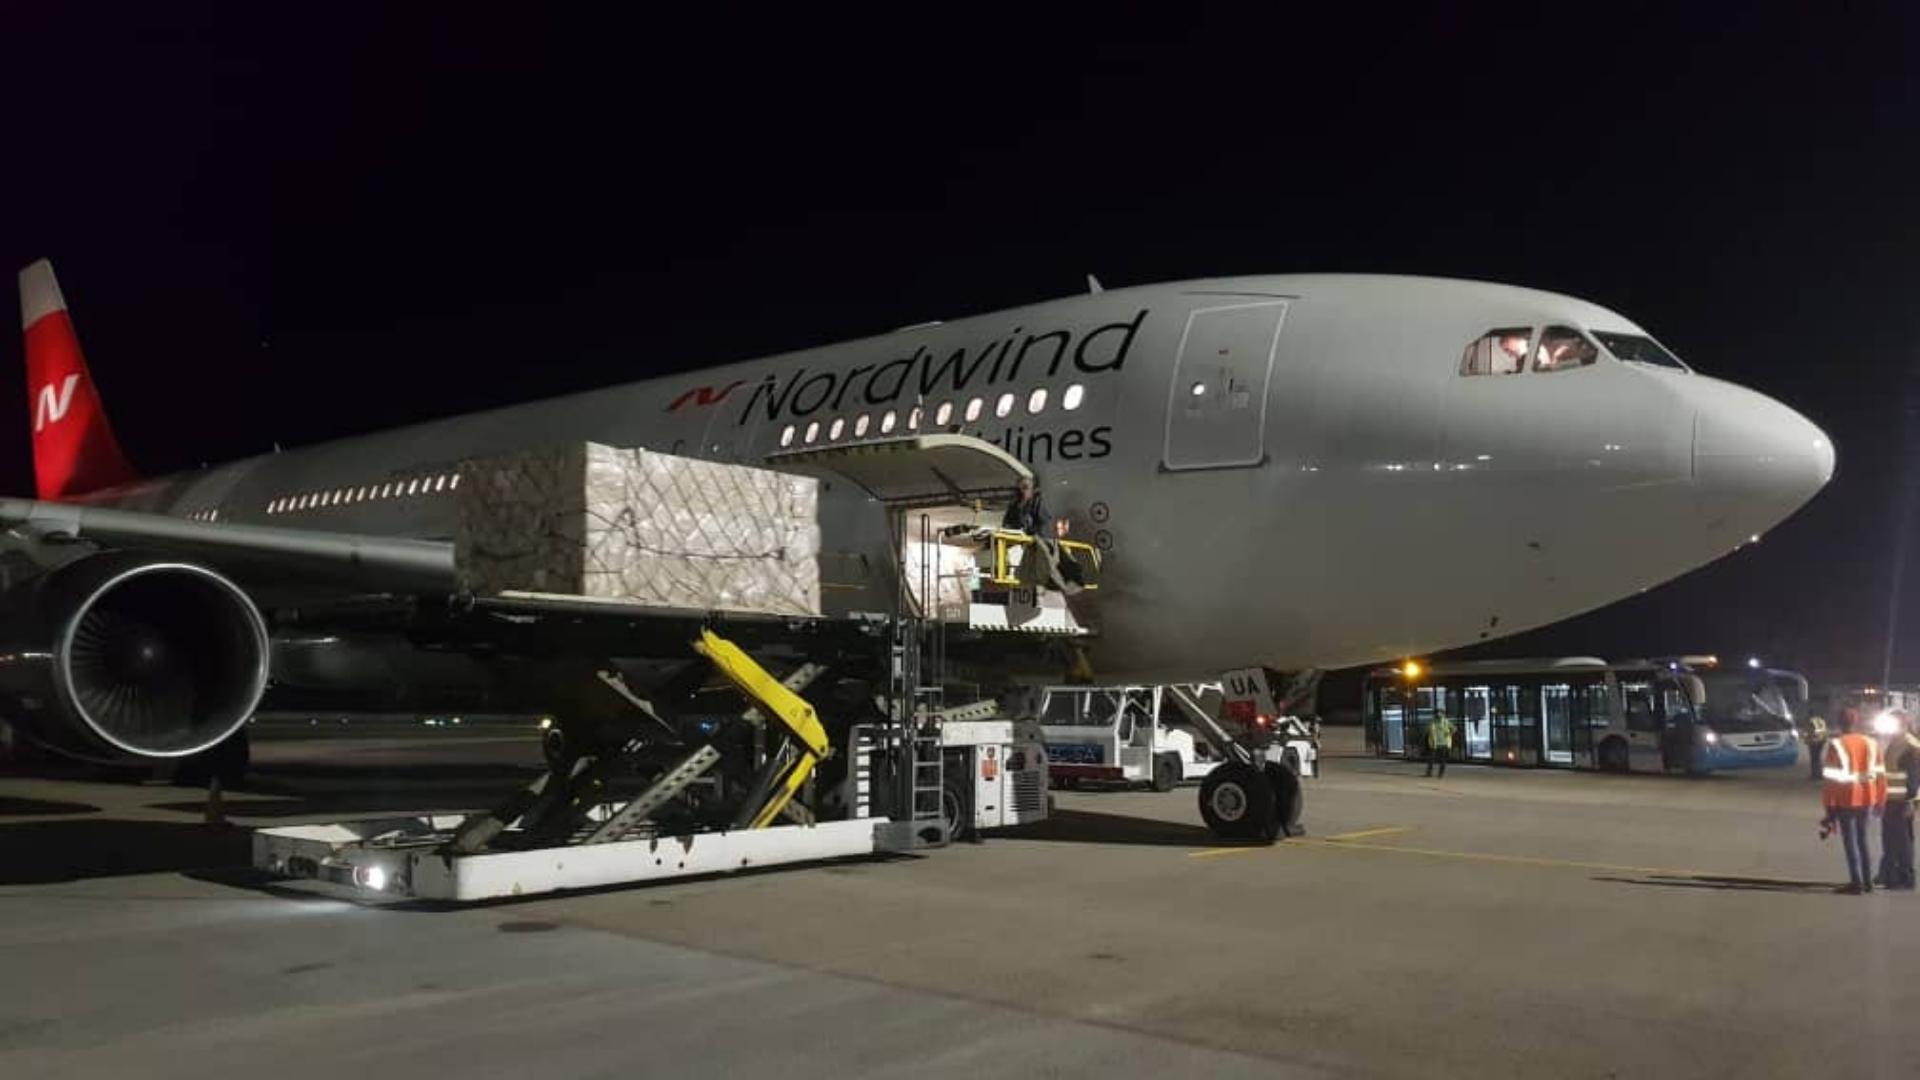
254	553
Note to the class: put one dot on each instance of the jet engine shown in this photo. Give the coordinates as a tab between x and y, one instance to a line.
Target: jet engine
121	655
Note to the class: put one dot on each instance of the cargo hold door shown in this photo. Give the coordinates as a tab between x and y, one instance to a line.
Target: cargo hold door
1217	405
918	470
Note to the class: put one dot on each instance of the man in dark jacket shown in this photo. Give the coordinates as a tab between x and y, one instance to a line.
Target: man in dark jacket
1043	566
1026	513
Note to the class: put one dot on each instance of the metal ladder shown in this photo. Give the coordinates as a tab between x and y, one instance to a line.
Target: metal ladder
919	666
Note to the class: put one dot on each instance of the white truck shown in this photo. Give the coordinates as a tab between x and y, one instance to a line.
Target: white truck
1132	735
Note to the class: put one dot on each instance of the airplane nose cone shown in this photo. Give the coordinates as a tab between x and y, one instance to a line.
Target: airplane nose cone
1755	461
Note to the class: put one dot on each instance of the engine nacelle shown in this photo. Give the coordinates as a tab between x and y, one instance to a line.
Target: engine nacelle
123	655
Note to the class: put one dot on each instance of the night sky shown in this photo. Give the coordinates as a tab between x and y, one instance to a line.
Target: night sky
281	224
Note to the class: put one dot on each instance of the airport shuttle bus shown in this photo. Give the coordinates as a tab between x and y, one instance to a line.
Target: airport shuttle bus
1673	715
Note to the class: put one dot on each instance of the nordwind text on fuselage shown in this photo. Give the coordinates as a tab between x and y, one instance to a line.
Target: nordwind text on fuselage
925	374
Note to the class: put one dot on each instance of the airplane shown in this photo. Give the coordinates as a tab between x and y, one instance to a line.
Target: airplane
1285	472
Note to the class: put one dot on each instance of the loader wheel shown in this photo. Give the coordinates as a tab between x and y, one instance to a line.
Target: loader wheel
1237	803
956	808
1166	772
1288	799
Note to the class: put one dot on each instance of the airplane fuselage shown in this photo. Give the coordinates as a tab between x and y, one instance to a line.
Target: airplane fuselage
1289	471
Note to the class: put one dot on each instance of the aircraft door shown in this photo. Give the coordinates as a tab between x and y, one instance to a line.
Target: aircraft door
1217	405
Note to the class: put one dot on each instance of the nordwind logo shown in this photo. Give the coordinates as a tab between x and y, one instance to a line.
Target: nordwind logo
703	395
51	407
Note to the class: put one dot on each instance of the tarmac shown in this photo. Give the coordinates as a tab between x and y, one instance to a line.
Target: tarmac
1496	922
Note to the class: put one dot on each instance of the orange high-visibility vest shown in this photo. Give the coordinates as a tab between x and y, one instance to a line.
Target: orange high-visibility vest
1856	776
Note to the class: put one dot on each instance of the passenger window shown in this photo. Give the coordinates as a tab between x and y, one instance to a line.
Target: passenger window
1071	399
943	414
886	422
839	428
1562	348
974	408
786	436
860	426
1501	351
1037	400
1640	712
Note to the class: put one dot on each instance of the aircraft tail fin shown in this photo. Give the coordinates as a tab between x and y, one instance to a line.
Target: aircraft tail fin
74	449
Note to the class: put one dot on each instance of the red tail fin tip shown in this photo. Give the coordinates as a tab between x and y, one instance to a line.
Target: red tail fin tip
74	450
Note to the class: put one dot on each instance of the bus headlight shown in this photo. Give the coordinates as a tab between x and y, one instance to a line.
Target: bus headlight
1709	736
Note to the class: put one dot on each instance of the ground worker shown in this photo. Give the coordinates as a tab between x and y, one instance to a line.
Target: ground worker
1855	786
1044	568
1816	742
1026	513
1439	742
1896	821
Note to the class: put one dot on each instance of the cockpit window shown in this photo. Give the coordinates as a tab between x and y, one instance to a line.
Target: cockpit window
1562	348
1635	349
1501	351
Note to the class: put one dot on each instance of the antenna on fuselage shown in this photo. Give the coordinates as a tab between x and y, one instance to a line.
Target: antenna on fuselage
1093	285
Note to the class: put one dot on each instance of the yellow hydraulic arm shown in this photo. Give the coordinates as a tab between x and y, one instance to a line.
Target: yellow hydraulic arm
776	700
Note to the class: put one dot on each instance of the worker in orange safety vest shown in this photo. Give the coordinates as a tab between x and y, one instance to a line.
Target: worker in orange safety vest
1855	787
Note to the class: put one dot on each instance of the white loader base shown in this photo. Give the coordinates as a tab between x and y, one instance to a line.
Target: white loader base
404	856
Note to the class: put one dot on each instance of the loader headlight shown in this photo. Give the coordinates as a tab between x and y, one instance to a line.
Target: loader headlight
371	877
1886	723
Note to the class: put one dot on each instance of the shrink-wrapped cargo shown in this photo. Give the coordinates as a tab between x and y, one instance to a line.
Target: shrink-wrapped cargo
633	525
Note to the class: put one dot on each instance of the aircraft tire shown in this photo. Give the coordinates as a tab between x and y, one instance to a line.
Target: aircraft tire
1237	803
1288	799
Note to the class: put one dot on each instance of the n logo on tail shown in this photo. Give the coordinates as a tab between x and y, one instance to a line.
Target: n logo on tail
51	408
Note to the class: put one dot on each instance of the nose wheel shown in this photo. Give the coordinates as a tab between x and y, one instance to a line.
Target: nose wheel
1239	802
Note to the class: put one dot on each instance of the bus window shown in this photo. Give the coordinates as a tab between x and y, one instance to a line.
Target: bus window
1497	352
1678	708
1639	703
1599	705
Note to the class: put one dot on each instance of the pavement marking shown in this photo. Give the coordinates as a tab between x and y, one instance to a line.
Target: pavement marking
1383	830
1209	853
1348	841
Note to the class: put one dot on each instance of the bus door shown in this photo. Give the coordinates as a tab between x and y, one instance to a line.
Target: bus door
1556	723
1644	726
1592	715
1478	724
1393	720
1677	731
